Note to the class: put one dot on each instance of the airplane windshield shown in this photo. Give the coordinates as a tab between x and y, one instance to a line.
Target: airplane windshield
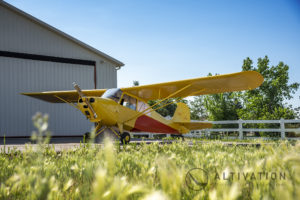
114	94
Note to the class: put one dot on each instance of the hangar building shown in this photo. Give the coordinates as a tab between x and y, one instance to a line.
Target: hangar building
34	57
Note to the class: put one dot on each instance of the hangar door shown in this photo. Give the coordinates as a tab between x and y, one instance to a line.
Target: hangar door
25	75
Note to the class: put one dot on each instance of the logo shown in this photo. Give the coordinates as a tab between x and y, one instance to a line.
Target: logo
196	179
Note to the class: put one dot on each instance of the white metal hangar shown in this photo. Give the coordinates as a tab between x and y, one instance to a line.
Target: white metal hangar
34	57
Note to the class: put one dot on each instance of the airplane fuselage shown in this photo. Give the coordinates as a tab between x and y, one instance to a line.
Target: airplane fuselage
113	113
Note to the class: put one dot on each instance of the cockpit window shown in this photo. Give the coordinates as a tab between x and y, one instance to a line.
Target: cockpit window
114	94
128	102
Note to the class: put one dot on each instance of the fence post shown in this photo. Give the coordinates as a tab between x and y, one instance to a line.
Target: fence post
240	129
282	127
207	134
168	135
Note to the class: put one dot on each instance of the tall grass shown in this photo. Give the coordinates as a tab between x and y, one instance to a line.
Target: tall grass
152	171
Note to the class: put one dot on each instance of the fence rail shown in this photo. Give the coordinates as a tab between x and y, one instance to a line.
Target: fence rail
241	130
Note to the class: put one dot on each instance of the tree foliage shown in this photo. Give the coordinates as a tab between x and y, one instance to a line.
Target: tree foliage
265	102
222	106
136	83
198	109
268	101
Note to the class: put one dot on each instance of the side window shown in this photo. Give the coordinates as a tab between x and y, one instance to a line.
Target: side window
141	106
129	102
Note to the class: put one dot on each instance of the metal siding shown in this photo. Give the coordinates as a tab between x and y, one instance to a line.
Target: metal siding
26	76
18	34
106	75
23	35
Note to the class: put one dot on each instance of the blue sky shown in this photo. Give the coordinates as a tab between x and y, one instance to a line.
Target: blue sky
165	40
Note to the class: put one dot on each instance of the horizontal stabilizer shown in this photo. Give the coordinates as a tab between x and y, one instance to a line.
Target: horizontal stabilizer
195	125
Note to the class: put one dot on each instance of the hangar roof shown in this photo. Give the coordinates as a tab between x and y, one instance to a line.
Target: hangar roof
55	30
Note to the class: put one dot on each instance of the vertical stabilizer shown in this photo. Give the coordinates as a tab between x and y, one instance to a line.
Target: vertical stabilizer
182	113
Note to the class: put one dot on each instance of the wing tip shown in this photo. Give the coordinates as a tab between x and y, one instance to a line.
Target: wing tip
26	93
257	78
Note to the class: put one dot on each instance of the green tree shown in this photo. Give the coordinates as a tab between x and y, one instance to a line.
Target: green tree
268	100
216	107
222	106
264	102
198	109
136	83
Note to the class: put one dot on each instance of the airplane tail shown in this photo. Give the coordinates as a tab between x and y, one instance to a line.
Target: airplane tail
182	117
182	113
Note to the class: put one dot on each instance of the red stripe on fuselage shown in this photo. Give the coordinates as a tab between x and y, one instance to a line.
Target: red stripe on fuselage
148	124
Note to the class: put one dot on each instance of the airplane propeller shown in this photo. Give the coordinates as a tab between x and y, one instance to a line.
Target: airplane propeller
82	96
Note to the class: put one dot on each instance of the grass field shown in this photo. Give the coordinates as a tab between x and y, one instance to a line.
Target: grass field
209	170
152	172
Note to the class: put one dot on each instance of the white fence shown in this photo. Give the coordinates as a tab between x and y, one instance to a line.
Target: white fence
241	130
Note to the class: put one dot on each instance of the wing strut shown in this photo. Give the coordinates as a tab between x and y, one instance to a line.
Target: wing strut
176	101
71	104
170	96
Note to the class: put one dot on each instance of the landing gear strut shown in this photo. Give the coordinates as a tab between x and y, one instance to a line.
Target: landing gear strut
112	133
106	132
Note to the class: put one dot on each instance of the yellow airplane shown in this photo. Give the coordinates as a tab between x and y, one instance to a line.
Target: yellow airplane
120	110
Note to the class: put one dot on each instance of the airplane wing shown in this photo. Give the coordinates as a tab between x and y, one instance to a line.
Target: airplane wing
195	125
190	87
68	95
199	86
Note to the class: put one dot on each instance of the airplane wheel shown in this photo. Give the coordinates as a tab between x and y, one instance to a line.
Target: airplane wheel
181	136
125	138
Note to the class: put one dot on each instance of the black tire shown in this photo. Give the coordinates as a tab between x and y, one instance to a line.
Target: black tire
182	137
125	138
178	137
86	137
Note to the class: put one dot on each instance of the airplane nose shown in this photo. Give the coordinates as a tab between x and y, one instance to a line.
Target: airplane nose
105	109
108	110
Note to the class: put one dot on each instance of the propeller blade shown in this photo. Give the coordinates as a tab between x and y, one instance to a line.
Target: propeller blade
77	88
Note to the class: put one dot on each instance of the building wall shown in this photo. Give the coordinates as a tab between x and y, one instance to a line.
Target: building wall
18	75
19	34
